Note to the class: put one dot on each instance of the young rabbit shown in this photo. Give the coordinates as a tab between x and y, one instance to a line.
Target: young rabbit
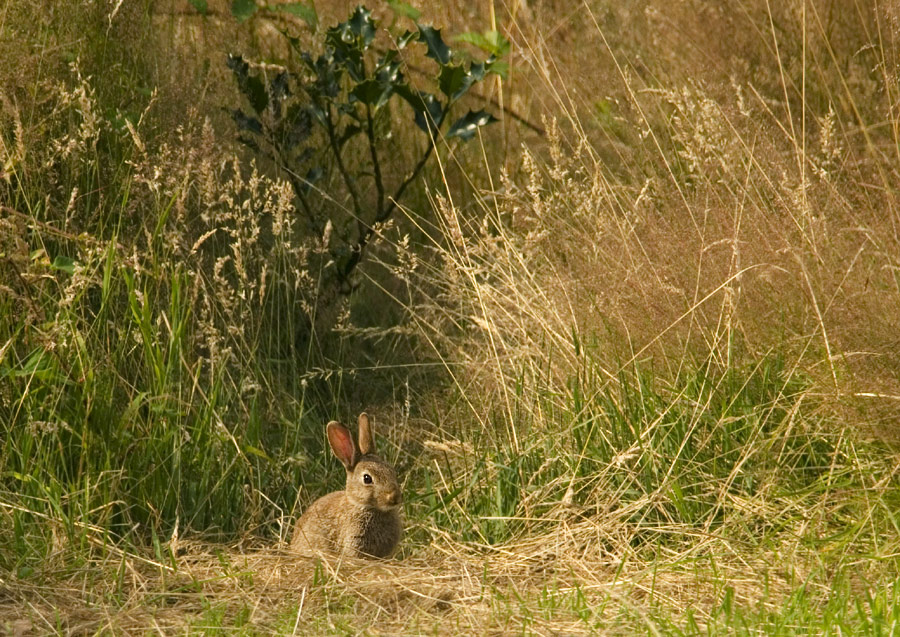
363	520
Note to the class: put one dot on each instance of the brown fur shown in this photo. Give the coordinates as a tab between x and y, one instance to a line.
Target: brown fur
363	520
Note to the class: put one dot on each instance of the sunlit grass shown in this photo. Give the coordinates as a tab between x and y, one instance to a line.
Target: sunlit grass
644	382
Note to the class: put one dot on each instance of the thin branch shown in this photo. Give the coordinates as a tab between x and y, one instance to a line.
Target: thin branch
376	166
351	183
366	236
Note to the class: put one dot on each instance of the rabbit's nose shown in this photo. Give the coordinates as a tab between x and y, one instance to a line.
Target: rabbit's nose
395	498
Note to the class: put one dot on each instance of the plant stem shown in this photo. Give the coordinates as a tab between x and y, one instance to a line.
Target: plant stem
351	183
383	215
376	166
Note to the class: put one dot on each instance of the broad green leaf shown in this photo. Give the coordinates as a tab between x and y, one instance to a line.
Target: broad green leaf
497	67
243	9
437	49
40	364
66	264
492	42
454	80
465	126
200	5
403	9
500	46
306	12
472	37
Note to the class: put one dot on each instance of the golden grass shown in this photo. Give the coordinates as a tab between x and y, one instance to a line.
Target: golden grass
705	195
448	588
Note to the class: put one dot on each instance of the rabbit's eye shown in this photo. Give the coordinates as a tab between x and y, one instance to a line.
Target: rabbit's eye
367	478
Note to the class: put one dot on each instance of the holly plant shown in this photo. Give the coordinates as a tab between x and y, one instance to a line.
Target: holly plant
328	117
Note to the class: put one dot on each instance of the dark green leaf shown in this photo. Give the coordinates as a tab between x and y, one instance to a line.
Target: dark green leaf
477	71
356	33
306	12
299	126
327	75
348	109
278	91
279	86
245	122
429	112
388	60
362	25
465	126
346	49
313	175
317	113
454	80
349	132
243	9
252	87
406	38
237	64
256	92
372	92
437	50
403	9
389	73
432	115
250	143
200	6
66	264
367	92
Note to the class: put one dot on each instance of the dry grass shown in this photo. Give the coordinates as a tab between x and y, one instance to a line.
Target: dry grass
565	582
633	388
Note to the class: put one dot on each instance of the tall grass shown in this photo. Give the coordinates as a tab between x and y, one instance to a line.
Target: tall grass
644	379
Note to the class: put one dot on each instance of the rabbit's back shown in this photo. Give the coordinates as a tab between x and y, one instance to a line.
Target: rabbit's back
319	528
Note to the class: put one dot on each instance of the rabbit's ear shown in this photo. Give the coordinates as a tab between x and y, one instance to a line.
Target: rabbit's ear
366	435
342	444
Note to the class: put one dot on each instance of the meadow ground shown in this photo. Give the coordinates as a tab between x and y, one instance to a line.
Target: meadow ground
633	350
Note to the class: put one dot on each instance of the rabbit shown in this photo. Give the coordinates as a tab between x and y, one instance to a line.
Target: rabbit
363	520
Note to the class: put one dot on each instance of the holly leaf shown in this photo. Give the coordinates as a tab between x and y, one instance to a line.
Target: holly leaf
454	80
466	126
437	49
429	112
252	87
372	92
245	122
406	38
362	25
